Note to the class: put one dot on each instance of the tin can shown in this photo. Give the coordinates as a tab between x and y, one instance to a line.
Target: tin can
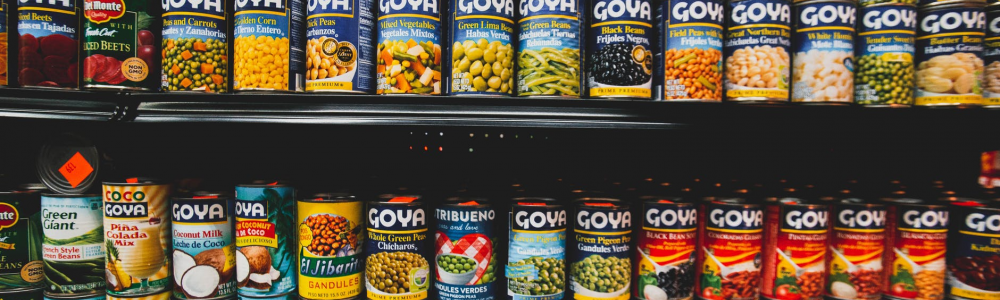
972	261
204	255
620	45
876	2
6	66
265	240
49	41
20	242
25	295
137	237
550	35
991	57
857	241
729	231
691	35
759	28
823	63
331	233
930	3
268	46
119	44
195	39
536	259
600	267
795	245
340	55
409	47
73	247
160	296
397	231
884	74
98	297
949	51
915	240
481	56
465	256
666	250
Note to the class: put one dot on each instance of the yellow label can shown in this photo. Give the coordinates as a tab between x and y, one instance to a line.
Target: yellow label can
330	233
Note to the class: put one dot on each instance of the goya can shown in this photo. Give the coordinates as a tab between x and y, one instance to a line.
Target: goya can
266	241
465	256
973	262
730	234
5	52
331	234
929	3
159	296
120	47
691	41
795	244
49	41
874	2
757	46
409	47
481	57
204	255
195	46
600	267
857	241
884	74
620	45
340	52
536	258
550	46
949	51
137	238
28	295
991	58
73	247
823	63
397	241
21	236
916	236
267	46
665	250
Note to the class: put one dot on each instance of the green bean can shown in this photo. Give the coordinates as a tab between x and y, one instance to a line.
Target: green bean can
536	258
20	242
195	43
884	53
465	257
600	267
73	247
549	53
481	54
397	241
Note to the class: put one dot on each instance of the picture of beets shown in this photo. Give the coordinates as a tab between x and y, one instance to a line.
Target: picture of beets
119	78
58	45
30	76
146	53
111	68
92	66
55	67
28	59
29	41
145	38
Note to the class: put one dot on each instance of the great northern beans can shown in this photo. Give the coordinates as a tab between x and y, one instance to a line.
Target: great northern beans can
73	248
397	241
550	50
795	244
21	236
620	49
330	235
340	52
480	60
757	46
49	43
600	264
857	241
409	47
536	258
973	262
691	39
823	60
268	46
195	46
730	232
119	44
137	238
991	57
666	250
204	255
266	241
916	237
465	256
884	55
949	51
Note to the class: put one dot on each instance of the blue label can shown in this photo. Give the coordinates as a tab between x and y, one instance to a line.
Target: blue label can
756	48
823	63
949	56
340	54
991	57
268	46
409	47
266	241
481	56
204	255
397	231
620	43
550	58
200	28
691	45
465	256
970	254
884	55
49	42
600	267
536	260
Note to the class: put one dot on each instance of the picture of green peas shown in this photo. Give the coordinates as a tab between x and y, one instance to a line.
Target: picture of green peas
603	275
456	264
551	278
195	64
482	66
881	82
549	72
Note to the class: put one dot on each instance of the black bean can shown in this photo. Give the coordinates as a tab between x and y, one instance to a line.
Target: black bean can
397	232
973	259
620	44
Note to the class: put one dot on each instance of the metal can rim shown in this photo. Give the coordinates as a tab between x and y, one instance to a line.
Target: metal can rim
55	195
952	4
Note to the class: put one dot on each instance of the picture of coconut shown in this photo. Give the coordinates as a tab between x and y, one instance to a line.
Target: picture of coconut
116	278
254	269
199	276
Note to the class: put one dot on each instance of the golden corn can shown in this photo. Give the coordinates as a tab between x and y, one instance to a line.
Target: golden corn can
267	46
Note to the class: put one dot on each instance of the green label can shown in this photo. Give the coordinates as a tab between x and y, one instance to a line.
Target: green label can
265	240
536	260
20	242
330	230
397	232
73	247
119	44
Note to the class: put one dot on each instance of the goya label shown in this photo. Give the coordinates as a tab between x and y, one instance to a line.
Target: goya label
729	258
137	238
482	52
119	44
465	255
330	237
204	252
409	47
397	231
194	46
991	57
21	237
267	42
536	261
949	56
915	238
5	33
762	29
972	253
49	35
795	245
340	55
823	64
857	242
73	248
549	46
621	52
266	240
666	247
600	267
884	53
692	39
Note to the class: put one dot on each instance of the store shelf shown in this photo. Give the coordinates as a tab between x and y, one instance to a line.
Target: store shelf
61	105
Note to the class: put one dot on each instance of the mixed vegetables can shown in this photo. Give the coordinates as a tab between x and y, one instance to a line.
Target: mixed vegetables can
195	45
409	47
664	267
913	263
204	255
549	52
691	40
137	238
884	55
991	58
49	43
620	49
266	247
73	248
22	248
267	45
536	258
756	48
949	50
397	241
823	60
730	233
794	254
340	52
119	44
600	267
330	238
857	241
466	255
973	260
481	57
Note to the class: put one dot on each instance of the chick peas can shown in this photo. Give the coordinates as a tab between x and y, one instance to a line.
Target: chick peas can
204	253
137	238
195	46
397	265
665	251
600	267
481	57
266	245
794	254
949	51
691	42
268	52
884	55
340	53
549	52
823	60
409	47
465	251
756	49
536	258
330	239
913	263
991	57
620	41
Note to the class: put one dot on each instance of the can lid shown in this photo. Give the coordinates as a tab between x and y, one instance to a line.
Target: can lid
135	181
534	201
68	164
397	198
332	197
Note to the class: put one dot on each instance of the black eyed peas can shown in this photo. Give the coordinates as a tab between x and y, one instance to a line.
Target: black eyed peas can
550	46
49	42
204	255
536	258
340	52
465	258
266	235
21	232
268	53
119	44
195	45
137	238
600	267
481	56
665	251
823	59
973	264
397	243
620	60
949	51
691	41
73	250
409	47
991	58
757	46
884	55
331	234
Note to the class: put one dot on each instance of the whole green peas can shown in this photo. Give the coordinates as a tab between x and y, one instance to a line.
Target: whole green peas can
397	231
536	260
194	46
884	49
600	267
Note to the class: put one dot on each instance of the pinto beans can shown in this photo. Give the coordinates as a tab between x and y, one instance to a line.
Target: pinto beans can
795	245
266	241
330	240
119	44
536	258
823	60
729	260
991	57
600	267
620	49
949	51
757	45
340	52
465	234
691	39
397	241
665	252
973	261
268	47
409	47
916	236
195	46
884	55
857	241
49	43
137	238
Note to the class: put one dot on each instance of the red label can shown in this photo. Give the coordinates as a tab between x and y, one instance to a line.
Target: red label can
914	260
729	258
665	253
795	242
857	242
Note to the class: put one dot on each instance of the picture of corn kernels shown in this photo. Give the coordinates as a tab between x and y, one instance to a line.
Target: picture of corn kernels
758	67
958	73
821	76
321	63
260	62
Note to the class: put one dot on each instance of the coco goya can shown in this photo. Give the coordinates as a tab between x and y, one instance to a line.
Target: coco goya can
823	60
119	44
857	241
397	241
195	45
73	247
973	261
266	241
465	250
21	236
729	259
600	267
267	45
331	236
884	55
409	47
795	245
481	57
665	251
549	53
991	57
691	41
137	238
340	52
949	51
757	45
49	39
204	255
536	258
916	237
620	53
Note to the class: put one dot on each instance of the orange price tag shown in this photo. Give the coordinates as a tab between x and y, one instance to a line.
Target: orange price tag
76	169
402	199
469	203
598	204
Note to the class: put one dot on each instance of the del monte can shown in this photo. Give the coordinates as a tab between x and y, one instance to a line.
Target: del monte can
137	237
20	242
119	44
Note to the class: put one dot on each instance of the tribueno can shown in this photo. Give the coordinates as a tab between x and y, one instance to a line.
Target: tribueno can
857	242
119	44
49	39
481	57
729	259
620	57
409	47
330	239
973	262
691	41
794	254
265	240
536	258
465	255
397	242
915	240
267	45
21	236
666	250
600	267
884	55
340	54
756	50
550	62
73	248
949	51
195	45
204	256
137	237
823	64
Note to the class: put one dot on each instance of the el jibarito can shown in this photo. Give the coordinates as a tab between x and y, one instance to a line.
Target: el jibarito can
730	233
756	48
691	41
27	295
823	60
600	263
884	53
665	250
409	47
204	255
137	238
266	241
195	46
21	236
268	53
73	247
991	58
620	49
550	50
465	256
331	233
795	243
160	296
916	238
397	241
857	241
973	261
480	59
340	52
949	51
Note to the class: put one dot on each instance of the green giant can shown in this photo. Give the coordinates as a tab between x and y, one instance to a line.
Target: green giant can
73	247
119	44
20	242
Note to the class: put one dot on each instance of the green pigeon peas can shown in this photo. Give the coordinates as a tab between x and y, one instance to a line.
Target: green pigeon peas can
465	255
884	49
600	267
536	258
20	242
194	46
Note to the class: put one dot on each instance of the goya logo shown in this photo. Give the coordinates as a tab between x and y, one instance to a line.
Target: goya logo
677	217
342	6
408	6
500	7
127	196
806	218
923	218
980	222
459	215
275	5
396	218
126	210
603	220
8	216
622	9
199	211
890	18
251	209
100	11
736	218
953	21
828	14
58	4
193	5
761	12
693	11
540	219
868	218
994	26
530	7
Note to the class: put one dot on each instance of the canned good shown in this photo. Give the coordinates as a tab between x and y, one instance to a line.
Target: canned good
397	232
550	62
795	245
620	45
536	260
195	46
267	46
972	261
330	236
73	248
160	296
930	3
915	239
119	44
874	2
481	56
340	53
21	247
204	255
265	240
49	41
5	33
823	64
409	47
857	241
665	250
949	51
98	297
730	233
884	51
691	37
757	44
991	57
26	295
600	267
137	238
465	256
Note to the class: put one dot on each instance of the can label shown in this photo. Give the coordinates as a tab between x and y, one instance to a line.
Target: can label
692	39
665	251
823	69
267	42
482	56
916	238
795	244
756	50
884	53
21	237
973	254
49	38
931	2
73	247
194	46
729	259
330	249
397	232
137	238
5	33
339	50
620	49
991	55
204	253
856	246
549	48
119	44
536	260
600	267
409	47
265	240
949	55
101	297
160	296
465	236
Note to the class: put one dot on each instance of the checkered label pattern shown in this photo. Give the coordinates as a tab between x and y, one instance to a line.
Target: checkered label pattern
474	245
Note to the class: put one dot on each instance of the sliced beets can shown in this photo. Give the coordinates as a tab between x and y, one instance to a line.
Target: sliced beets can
49	43
120	46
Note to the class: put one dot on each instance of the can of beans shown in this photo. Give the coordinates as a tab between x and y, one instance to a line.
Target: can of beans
795	246
857	241
465	253
120	44
691	39
268	46
823	64
49	42
991	57
536	260
884	51
757	45
730	232
409	47
397	243
73	250
204	254
6	66
665	251
620	50
915	239
973	262
949	51
550	58
195	45
600	267
330	230
481	60
266	241
339	46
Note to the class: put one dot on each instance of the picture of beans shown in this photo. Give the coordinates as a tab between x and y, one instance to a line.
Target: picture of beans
741	284
3	58
822	76
930	285
331	234
950	74
677	282
551	277
456	264
867	283
195	64
604	275
482	66
390	271
410	67
758	67
981	272
892	81
322	62
622	64
260	62
810	285
992	81
549	72
697	71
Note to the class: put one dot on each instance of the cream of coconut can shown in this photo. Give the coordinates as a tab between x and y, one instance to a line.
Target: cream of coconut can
20	242
991	58
330	234
204	253
266	241
73	247
137	238
949	51
823	59
884	54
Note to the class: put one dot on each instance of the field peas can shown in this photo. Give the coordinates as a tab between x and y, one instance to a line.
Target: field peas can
73	247
973	262
991	57
397	241
204	255
550	48
195	44
691	36
331	235
884	55
481	56
119	44
21	245
409	47
949	51
465	256
620	60
266	241
756	48
857	242
730	234
600	266
340	52
795	245
49	43
536	259
268	52
914	259
137	238
665	250
823	60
